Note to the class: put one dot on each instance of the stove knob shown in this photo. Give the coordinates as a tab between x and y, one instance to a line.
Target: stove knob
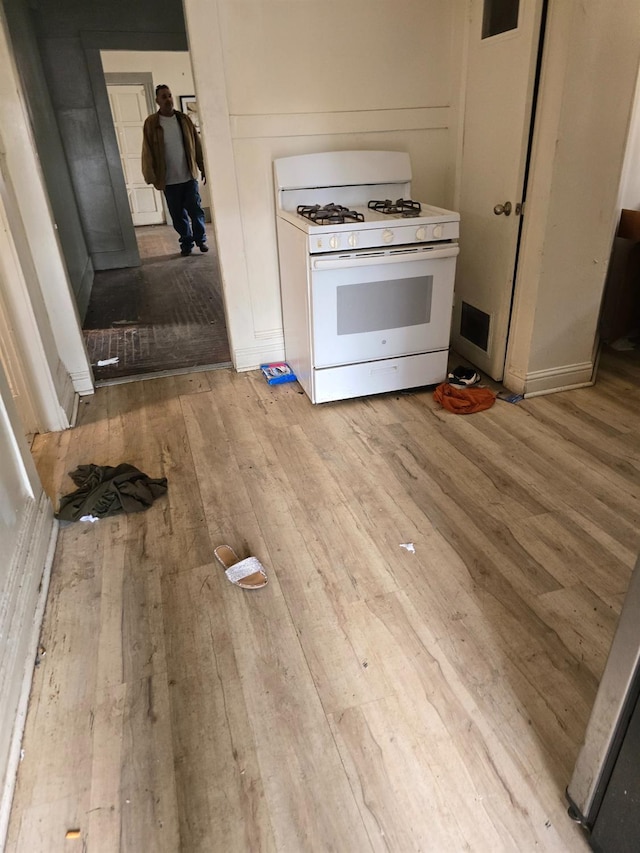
437	232
353	240
387	236
421	233
334	241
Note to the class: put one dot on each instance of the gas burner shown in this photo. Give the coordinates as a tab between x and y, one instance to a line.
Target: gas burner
406	207
330	214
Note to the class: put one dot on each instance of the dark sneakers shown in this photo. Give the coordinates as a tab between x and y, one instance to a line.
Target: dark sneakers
186	250
463	377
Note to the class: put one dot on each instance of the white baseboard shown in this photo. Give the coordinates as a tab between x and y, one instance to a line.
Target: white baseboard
23	614
82	382
564	378
66	394
74	413
269	349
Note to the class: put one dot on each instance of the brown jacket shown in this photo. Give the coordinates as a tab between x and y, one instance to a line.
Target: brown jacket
154	167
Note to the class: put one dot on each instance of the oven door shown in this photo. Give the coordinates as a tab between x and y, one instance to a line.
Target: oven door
381	304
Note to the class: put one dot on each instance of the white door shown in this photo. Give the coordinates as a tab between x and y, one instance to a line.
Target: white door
129	110
503	51
26	524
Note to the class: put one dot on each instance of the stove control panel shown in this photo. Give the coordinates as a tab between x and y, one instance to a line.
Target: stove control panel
346	238
429	232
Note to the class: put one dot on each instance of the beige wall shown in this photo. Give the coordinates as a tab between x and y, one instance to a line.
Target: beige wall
170	67
278	78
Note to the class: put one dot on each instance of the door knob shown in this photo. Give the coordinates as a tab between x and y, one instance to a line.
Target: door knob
502	208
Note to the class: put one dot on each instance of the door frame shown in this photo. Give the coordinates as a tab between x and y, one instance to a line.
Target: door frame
133	78
16	318
47	351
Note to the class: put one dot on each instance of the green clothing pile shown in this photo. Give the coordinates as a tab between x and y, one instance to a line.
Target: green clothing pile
104	490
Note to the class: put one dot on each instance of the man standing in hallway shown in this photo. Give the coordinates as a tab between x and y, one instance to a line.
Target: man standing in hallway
171	157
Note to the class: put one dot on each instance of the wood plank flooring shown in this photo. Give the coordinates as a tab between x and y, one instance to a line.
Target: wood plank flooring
369	698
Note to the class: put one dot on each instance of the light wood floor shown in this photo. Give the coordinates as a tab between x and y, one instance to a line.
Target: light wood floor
369	698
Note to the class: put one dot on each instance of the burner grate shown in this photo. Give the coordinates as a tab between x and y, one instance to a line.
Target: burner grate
406	207
329	214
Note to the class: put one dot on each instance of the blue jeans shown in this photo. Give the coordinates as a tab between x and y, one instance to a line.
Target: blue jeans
187	216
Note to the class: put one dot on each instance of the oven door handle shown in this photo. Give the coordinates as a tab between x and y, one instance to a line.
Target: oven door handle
375	259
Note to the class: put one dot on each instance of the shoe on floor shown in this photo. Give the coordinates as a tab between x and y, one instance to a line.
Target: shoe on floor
203	247
463	377
185	251
248	573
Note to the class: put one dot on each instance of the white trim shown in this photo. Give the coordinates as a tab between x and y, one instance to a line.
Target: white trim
30	362
288	125
66	394
74	413
462	25
33	562
531	394
564	378
15	371
205	49
83	381
250	358
161	374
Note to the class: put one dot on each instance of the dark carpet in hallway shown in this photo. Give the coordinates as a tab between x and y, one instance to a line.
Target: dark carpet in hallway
165	315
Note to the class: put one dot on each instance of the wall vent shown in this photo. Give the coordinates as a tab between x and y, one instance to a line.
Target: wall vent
474	326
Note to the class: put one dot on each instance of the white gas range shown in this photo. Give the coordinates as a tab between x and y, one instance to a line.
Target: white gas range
366	274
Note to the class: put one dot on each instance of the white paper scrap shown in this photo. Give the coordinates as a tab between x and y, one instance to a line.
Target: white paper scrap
106	361
90	518
408	546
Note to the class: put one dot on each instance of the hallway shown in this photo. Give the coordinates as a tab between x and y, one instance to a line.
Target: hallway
164	316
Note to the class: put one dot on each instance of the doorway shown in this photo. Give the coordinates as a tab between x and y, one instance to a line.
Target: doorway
131	98
167	314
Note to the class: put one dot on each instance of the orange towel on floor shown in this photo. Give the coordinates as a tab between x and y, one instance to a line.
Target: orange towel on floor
464	401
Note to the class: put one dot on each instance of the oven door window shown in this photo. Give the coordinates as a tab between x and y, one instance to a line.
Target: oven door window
375	306
368	312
